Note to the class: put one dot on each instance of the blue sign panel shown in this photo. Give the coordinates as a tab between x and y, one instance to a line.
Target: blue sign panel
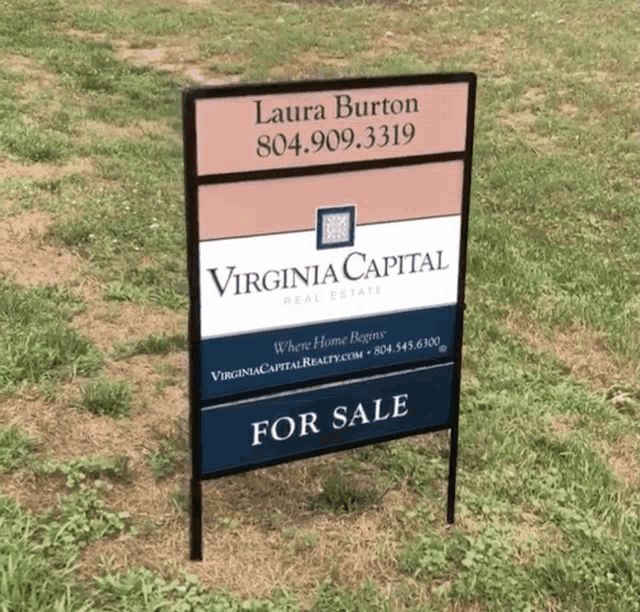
234	364
326	418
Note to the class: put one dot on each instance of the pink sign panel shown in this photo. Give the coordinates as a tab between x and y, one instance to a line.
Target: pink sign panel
264	207
329	127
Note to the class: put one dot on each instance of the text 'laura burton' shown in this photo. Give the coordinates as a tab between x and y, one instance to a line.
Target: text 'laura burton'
344	107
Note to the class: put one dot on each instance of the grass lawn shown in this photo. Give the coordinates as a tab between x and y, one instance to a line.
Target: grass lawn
93	310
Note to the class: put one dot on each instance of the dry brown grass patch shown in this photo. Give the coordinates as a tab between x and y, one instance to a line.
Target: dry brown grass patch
563	425
250	557
29	259
522	121
10	169
583	352
108	323
260	533
623	458
459	606
310	64
64	433
134	130
67	433
41	90
35	493
180	58
533	538
36	78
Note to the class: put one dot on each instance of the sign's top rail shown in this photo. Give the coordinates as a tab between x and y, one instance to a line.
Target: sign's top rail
312	85
297	124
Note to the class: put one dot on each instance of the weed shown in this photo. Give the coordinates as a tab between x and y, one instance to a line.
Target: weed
32	577
421	469
73	233
77	470
301	540
107	397
15	448
153	344
270	520
36	145
141	589
164	460
330	597
123	291
83	518
341	495
179	500
37	553
429	554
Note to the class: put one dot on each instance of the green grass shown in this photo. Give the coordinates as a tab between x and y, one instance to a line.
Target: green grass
15	448
166	458
334	598
38	342
107	397
544	520
153	344
78	470
37	553
341	495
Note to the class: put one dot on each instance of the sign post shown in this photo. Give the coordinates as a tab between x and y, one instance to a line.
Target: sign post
327	231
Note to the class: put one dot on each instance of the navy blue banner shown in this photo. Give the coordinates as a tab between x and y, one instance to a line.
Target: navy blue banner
235	364
249	434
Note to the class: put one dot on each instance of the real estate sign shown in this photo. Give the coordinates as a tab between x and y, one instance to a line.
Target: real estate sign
327	227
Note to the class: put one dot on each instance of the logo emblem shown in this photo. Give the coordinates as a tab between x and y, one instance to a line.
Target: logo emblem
335	227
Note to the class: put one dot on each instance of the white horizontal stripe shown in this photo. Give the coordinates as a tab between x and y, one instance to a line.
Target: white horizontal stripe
239	302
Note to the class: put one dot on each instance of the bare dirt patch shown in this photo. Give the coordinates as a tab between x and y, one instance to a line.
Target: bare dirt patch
569	110
171	58
584	352
92	36
26	256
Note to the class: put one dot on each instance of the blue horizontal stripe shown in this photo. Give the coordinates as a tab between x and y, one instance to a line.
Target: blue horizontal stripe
235	364
244	436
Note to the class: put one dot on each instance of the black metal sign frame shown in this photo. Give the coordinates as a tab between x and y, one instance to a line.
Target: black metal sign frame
192	184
